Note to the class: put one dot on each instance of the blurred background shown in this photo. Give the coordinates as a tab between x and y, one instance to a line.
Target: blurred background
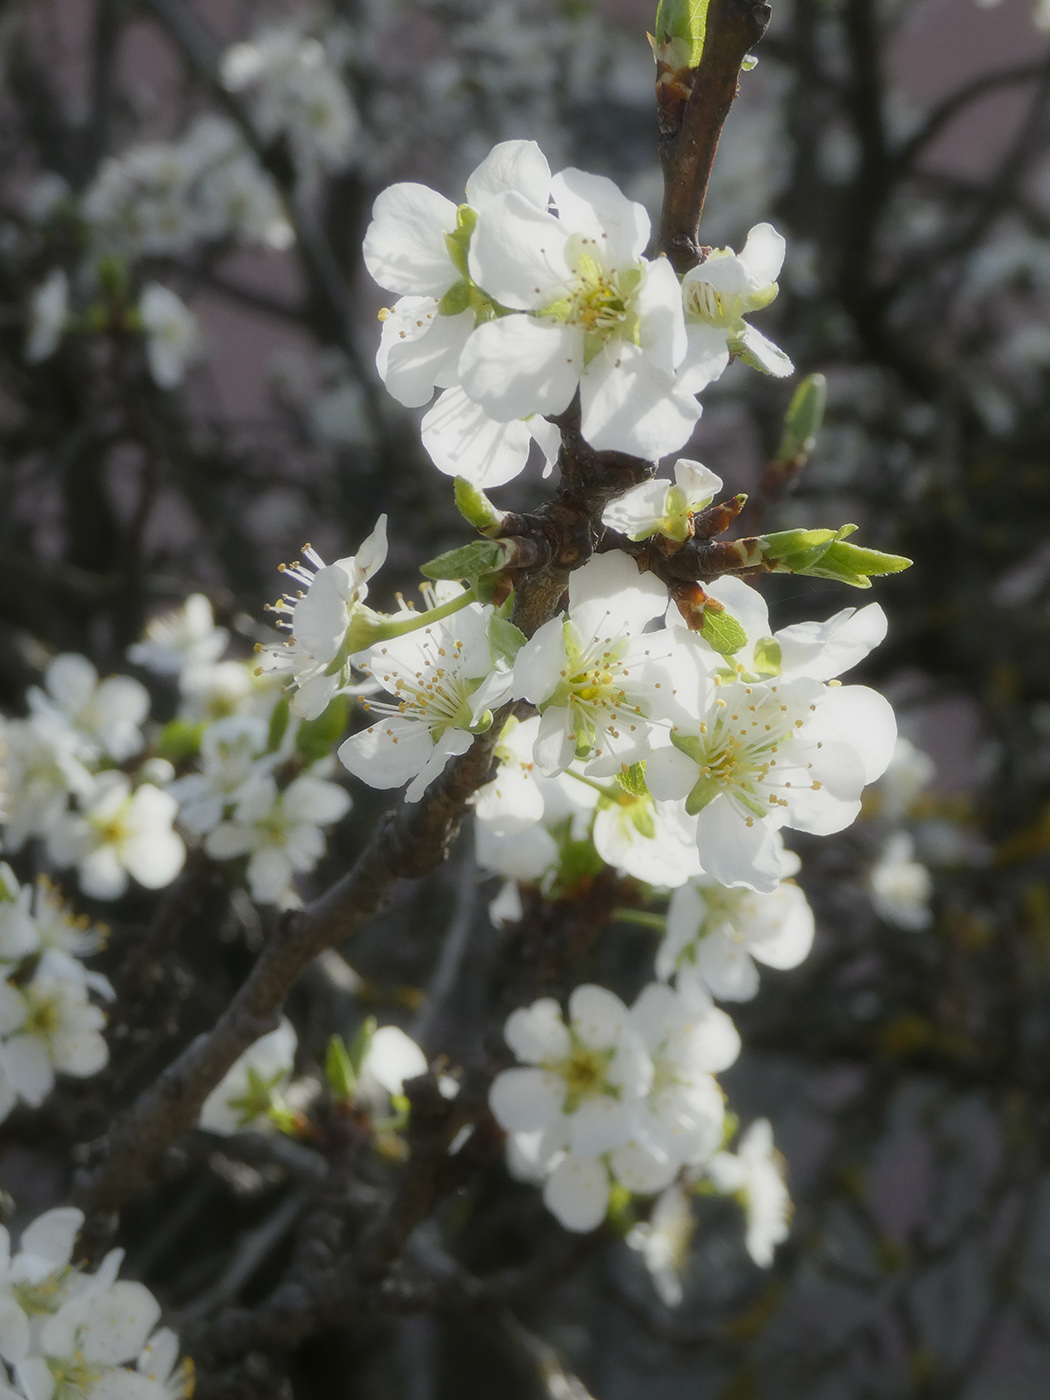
229	153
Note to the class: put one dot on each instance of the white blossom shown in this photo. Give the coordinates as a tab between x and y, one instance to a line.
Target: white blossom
910	770
661	507
41	763
242	1098
279	830
319	621
900	885
18	933
718	293
180	640
463	440
48	317
232	757
106	715
443	684
593	674
50	1026
663	1242
785	751
173	337
755	1174
715	935
590	313
391	1058
117	833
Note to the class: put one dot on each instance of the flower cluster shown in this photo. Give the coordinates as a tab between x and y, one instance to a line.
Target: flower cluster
67	1332
70	779
49	1023
538	287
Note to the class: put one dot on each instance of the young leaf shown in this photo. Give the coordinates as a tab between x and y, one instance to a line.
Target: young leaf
803	419
469	562
475	507
632	780
722	631
505	641
339	1069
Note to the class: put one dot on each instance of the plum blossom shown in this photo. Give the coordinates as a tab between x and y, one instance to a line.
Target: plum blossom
444	687
279	830
173	336
232	756
755	1174
243	1097
48	317
576	1086
18	933
391	1058
106	715
120	833
590	312
180	640
320	615
788	750
715	935
40	1277
49	1026
663	1242
653	842
718	293
660	507
86	1347
910	770
679	1120
900	885
416	246
463	440
594	676
41	766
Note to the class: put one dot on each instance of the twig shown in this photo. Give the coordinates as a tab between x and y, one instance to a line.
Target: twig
452	953
687	153
252	1250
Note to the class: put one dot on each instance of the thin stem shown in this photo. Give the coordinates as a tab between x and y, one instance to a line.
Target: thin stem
413	621
657	922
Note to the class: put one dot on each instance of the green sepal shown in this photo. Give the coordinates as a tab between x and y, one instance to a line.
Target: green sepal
475	507
339	1069
722	631
768	660
469	562
641	817
705	791
457	298
686	22
803	419
179	740
620	1212
318	737
283	1119
278	725
505	641
632	779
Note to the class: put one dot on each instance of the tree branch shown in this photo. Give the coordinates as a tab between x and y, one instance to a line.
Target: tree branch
688	145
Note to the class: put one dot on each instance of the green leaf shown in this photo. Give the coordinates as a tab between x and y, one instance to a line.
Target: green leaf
179	740
852	564
318	737
505	641
469	562
722	631
361	1044
278	724
632	779
686	22
803	419
475	507
339	1069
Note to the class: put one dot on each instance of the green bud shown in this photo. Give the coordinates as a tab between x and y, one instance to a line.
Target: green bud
475	507
825	554
339	1070
803	419
682	25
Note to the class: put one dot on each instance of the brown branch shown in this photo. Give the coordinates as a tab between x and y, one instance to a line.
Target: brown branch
688	146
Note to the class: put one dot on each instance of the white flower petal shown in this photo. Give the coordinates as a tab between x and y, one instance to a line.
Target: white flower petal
518	366
404	247
577	1193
